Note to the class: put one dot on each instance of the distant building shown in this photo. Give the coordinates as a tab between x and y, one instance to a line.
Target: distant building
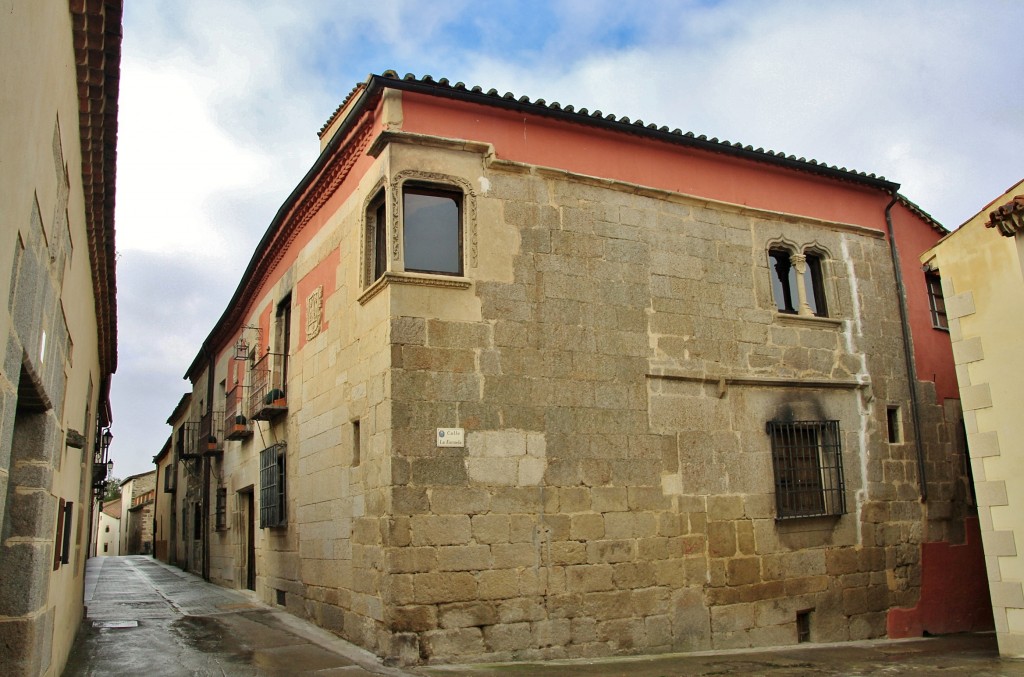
58	316
976	282
164	513
108	540
506	379
138	494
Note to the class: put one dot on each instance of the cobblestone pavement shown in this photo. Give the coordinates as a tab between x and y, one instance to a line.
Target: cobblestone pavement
147	618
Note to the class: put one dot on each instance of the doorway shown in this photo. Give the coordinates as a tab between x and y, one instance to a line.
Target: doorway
247	501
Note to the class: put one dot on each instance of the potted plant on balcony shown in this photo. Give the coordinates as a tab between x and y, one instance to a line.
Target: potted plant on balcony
275	398
211	443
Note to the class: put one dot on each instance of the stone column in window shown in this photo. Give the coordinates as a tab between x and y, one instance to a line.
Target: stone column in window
782	266
799	262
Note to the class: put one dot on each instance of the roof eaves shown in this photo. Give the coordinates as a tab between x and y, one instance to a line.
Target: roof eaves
922	214
233	310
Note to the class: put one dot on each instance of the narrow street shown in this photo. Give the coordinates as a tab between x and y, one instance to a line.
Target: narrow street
148	618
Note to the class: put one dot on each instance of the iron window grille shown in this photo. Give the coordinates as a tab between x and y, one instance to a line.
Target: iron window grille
807	461
272	487
221	509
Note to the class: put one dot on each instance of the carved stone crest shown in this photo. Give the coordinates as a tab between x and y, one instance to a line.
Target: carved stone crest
314	313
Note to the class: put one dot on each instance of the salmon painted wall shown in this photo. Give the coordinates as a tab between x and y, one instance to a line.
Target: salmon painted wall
598	152
324	273
328	206
933	352
534	139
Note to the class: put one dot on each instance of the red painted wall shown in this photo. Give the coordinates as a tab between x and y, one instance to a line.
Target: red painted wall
636	159
933	352
324	273
954	591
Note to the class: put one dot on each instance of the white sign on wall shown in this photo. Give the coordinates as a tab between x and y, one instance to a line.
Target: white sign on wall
451	437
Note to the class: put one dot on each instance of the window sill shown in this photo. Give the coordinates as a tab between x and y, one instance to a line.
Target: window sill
808	321
415	279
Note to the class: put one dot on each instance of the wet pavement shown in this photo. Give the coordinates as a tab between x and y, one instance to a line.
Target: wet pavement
974	655
147	618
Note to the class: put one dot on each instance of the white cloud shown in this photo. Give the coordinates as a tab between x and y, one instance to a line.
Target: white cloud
221	102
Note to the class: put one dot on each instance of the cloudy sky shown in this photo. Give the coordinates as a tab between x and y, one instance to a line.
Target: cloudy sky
221	102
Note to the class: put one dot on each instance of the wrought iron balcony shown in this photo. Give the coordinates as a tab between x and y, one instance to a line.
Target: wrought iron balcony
237	425
190	446
211	432
267	398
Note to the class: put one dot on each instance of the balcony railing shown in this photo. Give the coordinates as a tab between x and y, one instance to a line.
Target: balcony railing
267	398
191	447
236	425
211	432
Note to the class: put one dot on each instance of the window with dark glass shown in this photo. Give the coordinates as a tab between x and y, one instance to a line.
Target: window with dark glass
797	279
272	487
376	238
432	230
807	463
936	302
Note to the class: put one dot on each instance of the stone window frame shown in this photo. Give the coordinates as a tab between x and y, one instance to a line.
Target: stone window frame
823	282
811	262
369	242
807	466
393	194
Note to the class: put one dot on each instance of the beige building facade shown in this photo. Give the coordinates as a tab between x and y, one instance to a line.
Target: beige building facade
138	497
108	532
58	103
507	380
981	266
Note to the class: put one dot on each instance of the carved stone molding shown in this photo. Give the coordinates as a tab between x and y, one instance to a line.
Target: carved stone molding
469	208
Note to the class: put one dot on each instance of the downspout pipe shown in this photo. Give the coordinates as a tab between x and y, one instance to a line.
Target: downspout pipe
908	353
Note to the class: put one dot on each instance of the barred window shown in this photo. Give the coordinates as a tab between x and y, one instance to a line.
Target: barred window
221	512
808	465
272	487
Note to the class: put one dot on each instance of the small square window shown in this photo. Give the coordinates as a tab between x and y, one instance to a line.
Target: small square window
936	302
807	462
432	230
895	430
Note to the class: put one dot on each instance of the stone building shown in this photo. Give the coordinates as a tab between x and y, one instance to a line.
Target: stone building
138	495
976	276
58	103
108	539
506	379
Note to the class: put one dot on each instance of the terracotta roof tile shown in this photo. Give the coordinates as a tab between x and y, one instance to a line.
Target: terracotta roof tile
1008	218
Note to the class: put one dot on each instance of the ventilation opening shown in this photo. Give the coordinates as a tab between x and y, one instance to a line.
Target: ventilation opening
357	444
892	416
803	626
280	597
